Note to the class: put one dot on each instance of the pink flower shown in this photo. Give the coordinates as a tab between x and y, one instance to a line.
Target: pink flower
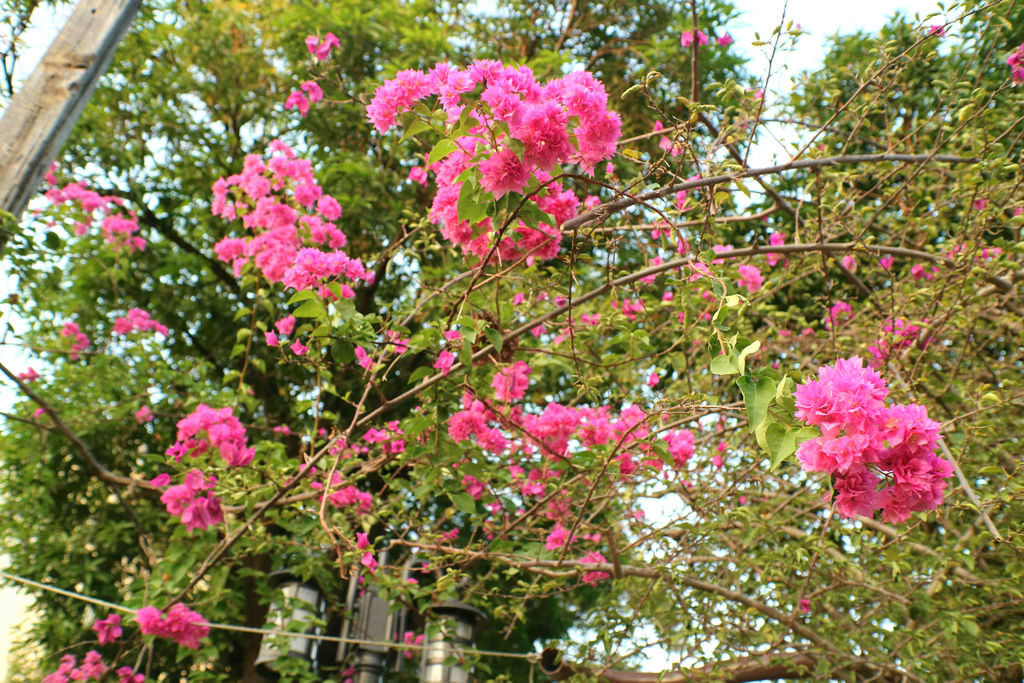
108	630
686	39
369	561
510	383
29	375
137	319
410	639
557	538
206	427
680	199
363	358
474	487
125	675
840	309
503	172
750	277
329	207
725	39
1016	64
271	338
418	174
886	262
362	541
937	30
653	379
285	325
321	50
298	348
143	415
160	480
313	91
805	606
849	262
297	100
680	446
593	577
180	624
445	361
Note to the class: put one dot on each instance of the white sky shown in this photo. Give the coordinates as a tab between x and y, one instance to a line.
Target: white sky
820	19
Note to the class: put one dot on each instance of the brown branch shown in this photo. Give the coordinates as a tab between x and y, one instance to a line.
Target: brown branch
755	668
614	206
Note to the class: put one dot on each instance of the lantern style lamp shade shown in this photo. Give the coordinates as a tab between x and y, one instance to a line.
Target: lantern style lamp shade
459	623
304	604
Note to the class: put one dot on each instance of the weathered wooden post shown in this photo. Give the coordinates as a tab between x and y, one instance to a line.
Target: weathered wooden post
40	116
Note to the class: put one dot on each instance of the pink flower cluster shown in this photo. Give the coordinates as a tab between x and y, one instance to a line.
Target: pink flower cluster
592	577
897	334
346	496
117	228
1016	63
551	432
687	38
81	340
28	375
184	500
280	202
108	630
520	130
750	278
180	624
138	319
207	427
510	383
92	668
307	94
880	456
321	49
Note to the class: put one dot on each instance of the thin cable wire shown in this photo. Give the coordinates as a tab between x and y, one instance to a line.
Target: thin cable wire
530	657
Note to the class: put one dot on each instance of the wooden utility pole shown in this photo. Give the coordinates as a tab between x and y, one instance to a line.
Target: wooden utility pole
40	116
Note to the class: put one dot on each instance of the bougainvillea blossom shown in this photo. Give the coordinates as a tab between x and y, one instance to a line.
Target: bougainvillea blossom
865	443
180	624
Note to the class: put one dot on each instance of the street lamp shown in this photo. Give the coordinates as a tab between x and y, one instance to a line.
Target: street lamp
442	660
304	603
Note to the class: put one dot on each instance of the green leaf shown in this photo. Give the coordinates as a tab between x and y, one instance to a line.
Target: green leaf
443	148
310	309
495	338
416	127
419	373
757	395
741	360
301	295
471	207
781	443
464	502
724	365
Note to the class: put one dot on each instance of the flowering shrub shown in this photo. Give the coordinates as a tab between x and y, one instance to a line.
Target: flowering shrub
556	358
